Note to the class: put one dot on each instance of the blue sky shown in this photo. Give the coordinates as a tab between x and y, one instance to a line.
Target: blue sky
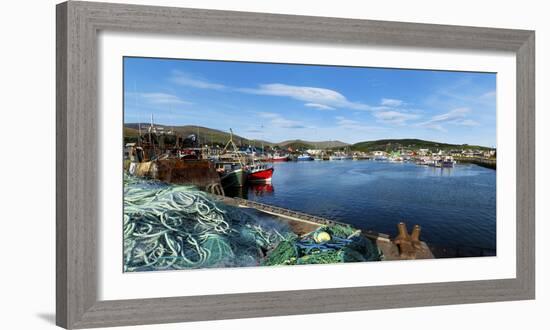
277	102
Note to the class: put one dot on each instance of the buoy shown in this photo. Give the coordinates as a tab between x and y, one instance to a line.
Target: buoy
322	237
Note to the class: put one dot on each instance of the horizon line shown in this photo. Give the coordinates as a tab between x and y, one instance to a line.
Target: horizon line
456	144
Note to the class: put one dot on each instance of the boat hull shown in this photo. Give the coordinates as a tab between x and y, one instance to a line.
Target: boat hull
236	178
261	175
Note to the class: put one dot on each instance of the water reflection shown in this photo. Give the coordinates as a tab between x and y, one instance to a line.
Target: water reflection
261	189
255	189
241	192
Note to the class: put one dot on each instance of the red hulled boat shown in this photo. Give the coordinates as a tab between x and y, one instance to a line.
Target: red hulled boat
259	173
279	158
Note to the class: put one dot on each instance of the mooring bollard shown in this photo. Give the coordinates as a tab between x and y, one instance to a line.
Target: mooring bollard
408	244
402	233
415	236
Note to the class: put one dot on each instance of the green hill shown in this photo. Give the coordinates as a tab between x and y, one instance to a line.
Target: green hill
216	137
313	144
397	144
206	135
130	132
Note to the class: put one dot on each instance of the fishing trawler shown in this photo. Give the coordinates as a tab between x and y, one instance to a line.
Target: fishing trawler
279	158
258	173
231	174
231	165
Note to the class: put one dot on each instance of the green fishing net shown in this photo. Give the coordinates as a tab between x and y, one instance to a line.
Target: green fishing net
179	227
342	244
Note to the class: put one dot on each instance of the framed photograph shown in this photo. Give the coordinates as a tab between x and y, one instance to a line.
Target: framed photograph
216	164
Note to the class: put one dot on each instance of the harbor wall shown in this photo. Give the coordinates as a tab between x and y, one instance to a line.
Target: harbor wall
484	162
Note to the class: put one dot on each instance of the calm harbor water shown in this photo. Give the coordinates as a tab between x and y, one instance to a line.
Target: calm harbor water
456	207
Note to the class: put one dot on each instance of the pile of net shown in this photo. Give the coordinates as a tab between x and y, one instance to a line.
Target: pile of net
328	244
179	227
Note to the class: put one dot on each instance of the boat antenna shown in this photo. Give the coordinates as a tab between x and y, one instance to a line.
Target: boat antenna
135	105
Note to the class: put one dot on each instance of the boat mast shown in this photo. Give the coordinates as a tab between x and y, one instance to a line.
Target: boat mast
230	142
151	136
135	105
198	136
233	145
263	150
171	121
139	134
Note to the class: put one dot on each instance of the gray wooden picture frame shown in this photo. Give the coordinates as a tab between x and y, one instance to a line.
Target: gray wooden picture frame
78	24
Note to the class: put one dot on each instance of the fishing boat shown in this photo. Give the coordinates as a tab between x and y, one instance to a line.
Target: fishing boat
230	165
397	159
259	172
304	157
425	161
231	174
280	158
339	156
448	162
360	157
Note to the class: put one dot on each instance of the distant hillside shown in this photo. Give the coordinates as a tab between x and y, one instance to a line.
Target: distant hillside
206	135
312	144
217	137
396	144
130	132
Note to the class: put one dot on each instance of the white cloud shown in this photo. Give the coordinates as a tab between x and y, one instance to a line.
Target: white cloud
466	122
455	116
462	93
394	117
276	120
435	127
319	106
391	102
349	124
184	79
342	121
489	95
451	115
159	98
310	95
